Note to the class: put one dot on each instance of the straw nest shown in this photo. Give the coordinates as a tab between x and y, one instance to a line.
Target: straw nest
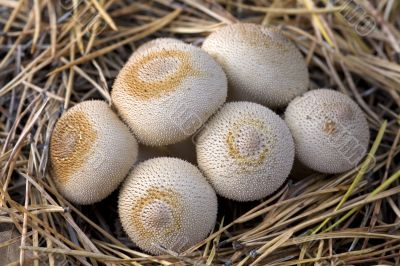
54	55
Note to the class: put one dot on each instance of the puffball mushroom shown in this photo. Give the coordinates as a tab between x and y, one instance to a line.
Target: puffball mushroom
246	151
330	130
261	64
167	203
91	152
167	90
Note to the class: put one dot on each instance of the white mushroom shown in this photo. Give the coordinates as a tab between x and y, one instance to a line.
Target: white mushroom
330	131
166	203
167	90
91	152
246	151
261	64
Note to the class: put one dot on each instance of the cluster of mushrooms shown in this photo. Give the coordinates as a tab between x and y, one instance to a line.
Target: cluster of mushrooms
169	91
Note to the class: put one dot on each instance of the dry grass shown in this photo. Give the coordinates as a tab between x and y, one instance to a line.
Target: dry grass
53	56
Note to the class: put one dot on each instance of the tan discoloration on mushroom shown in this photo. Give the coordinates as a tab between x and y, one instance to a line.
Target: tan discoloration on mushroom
167	202
330	131
329	127
256	152
71	144
166	220
167	90
168	69
246	151
91	152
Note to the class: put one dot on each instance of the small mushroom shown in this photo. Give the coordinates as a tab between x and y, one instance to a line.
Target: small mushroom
166	203
91	152
330	130
167	90
246	151
261	64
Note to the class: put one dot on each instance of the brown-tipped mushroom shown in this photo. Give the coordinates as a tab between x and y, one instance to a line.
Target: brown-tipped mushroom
167	90
246	151
167	203
330	130
91	152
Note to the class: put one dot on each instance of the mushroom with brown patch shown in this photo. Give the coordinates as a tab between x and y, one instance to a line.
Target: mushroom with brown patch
91	152
167	90
167	204
246	151
330	131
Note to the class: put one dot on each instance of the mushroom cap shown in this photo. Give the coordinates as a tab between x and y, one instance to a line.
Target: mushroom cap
167	202
246	151
261	64
91	152
167	90
329	129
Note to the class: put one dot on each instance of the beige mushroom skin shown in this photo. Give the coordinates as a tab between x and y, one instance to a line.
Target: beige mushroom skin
330	131
167	90
91	152
166	203
246	151
261	64
156	43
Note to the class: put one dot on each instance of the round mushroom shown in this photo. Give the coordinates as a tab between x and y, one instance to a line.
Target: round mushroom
166	203
167	90
91	152
330	130
261	64
246	151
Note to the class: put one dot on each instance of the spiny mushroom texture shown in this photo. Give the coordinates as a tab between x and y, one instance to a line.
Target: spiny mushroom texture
261	64
330	130
157	42
91	152
167	90
246	151
166	203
